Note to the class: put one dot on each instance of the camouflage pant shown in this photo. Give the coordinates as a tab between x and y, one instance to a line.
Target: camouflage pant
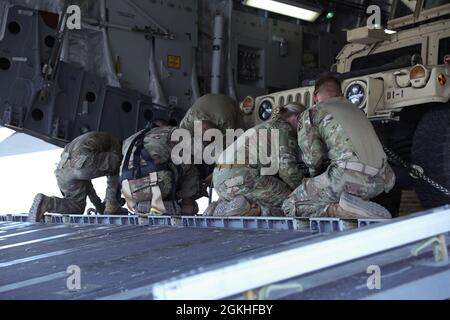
268	192
188	186
75	185
314	195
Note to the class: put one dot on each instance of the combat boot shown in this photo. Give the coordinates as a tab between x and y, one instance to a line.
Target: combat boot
189	207
238	206
255	211
41	205
334	210
352	207
220	208
111	209
363	208
209	212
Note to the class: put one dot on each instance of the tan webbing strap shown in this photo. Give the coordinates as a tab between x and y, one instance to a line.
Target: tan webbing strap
359	167
126	191
158	207
231	166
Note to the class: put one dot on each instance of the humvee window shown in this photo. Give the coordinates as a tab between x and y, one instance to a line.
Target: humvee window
398	58
429	4
404	8
444	49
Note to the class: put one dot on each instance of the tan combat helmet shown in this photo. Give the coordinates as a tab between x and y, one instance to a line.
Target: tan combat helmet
291	107
294	107
217	109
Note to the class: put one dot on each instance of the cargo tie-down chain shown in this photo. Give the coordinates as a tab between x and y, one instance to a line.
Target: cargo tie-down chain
415	171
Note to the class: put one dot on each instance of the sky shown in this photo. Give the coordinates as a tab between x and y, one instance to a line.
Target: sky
27	166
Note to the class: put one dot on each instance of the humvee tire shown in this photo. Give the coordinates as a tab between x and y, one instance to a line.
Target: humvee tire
431	151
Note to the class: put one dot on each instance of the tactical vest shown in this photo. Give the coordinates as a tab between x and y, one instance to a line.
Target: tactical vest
360	131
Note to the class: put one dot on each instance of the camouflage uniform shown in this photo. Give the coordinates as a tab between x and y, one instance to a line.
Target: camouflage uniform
157	142
268	191
338	131
88	157
220	111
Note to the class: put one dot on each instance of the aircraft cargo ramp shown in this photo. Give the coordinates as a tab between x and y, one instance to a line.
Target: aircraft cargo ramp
128	257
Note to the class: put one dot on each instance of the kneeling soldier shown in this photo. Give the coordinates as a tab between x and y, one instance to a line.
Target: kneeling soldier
90	156
337	131
151	182
243	185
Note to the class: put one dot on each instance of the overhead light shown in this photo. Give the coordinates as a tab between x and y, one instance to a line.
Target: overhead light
389	31
330	15
291	10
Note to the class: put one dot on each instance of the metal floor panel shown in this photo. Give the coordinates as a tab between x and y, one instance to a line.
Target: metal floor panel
117	259
404	277
234	277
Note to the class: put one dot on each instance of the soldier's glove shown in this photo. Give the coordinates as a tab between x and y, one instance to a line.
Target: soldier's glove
203	192
100	208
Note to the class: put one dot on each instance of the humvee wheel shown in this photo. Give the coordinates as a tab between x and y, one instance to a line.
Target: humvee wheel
431	151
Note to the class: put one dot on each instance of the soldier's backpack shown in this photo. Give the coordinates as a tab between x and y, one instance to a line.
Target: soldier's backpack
139	180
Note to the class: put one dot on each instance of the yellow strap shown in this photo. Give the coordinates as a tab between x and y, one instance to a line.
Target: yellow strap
156	212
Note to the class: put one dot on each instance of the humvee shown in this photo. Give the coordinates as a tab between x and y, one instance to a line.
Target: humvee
400	77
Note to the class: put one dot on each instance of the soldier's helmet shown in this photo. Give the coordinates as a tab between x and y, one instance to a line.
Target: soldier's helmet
217	109
291	107
294	107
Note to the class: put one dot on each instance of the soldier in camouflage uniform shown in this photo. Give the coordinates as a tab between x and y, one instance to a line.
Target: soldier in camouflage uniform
214	111
175	183
337	131
233	180
90	156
